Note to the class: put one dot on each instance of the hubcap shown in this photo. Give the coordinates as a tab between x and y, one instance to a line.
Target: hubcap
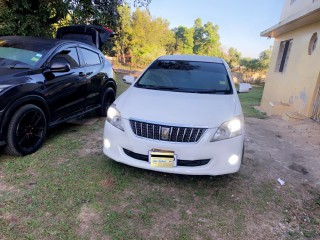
30	130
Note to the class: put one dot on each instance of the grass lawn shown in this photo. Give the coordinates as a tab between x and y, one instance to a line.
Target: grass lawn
70	190
249	100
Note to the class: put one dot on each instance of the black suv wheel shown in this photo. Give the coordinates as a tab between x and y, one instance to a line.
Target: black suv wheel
26	131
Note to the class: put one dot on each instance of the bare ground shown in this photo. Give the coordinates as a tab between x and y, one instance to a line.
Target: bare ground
290	151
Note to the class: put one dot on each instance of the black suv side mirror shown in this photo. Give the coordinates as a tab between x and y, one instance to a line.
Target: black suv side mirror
57	65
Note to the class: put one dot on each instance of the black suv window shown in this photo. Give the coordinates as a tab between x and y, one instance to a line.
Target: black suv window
90	57
70	55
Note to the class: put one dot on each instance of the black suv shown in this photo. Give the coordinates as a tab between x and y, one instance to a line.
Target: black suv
44	82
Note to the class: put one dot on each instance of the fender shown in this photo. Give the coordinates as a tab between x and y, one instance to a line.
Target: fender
110	82
9	111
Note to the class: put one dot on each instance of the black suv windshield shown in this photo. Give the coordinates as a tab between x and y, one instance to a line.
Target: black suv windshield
19	53
186	76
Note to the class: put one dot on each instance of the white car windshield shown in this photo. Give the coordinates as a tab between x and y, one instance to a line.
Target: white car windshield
186	76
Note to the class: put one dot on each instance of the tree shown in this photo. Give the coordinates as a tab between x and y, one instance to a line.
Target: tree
206	39
234	57
184	40
36	17
211	45
150	37
23	17
197	36
265	57
122	42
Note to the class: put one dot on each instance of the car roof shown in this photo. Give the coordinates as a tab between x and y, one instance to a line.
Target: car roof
39	41
195	58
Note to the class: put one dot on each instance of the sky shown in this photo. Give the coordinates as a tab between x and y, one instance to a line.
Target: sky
240	22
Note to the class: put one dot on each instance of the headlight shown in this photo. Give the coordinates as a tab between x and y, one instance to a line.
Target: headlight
228	129
114	117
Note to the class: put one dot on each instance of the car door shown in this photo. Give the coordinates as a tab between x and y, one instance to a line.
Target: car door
65	92
93	63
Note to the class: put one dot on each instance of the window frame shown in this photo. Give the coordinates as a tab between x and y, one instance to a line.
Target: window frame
84	59
283	55
313	43
66	48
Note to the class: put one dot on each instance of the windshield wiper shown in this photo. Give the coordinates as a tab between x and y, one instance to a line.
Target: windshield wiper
19	66
160	88
213	91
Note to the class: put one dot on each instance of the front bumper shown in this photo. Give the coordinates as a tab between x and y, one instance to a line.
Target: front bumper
117	144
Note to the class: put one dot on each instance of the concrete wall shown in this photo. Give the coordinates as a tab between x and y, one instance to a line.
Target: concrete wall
295	7
294	89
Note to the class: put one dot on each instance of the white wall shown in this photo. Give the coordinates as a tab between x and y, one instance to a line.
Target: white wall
294	7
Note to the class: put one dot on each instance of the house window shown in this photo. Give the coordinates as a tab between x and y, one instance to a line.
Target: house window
313	43
283	56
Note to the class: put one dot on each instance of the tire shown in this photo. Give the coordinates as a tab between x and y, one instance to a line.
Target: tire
26	131
107	99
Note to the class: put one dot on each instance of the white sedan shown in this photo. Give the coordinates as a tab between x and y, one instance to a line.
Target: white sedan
182	115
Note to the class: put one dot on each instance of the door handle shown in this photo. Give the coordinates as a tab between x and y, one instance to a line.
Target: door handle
81	74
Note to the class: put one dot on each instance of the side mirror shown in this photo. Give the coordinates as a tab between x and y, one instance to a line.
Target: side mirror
128	79
60	65
244	87
57	65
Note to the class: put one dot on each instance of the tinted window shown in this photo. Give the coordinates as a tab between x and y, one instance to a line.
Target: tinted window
70	55
186	76
90	57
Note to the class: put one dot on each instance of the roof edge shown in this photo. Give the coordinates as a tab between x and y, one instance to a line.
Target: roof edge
293	22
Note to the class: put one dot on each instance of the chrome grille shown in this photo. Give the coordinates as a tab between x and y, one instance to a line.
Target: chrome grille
166	133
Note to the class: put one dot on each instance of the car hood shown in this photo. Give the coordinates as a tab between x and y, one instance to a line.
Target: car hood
176	108
13	76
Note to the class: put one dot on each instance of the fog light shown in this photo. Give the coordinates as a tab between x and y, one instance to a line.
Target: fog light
106	143
233	160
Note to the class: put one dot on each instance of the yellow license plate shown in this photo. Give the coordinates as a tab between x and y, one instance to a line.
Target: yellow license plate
162	158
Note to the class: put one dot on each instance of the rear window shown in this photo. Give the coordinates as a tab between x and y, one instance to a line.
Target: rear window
186	76
90	57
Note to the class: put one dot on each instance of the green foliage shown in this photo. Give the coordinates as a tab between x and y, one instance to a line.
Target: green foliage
234	57
184	40
122	42
251	99
41	17
252	66
206	39
34	18
150	37
257	64
265	57
102	12
198	35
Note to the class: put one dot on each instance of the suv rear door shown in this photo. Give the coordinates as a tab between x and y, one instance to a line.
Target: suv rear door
93	65
89	34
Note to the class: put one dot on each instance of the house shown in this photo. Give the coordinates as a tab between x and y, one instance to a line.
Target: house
293	80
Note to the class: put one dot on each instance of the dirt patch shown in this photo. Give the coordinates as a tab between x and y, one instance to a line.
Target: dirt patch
88	219
107	183
93	144
290	151
294	156
6	188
